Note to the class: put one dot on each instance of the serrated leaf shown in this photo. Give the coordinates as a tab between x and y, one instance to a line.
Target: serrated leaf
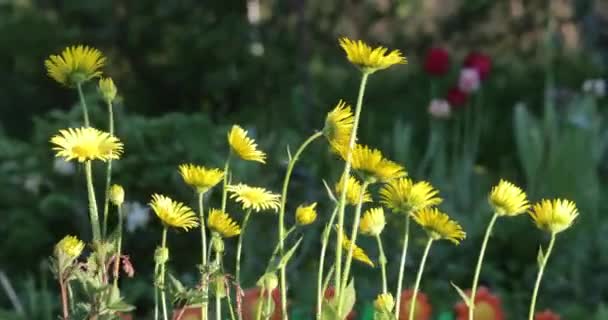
329	192
176	285
350	297
121	306
462	295
540	257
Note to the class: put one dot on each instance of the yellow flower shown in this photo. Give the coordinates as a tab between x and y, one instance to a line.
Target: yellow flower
172	213
86	144
404	196
75	65
339	126
358	253
372	166
221	223
438	225
70	246
306	215
508	199
201	178
372	222
107	89
384	303
353	191
554	215
254	198
117	195
243	146
370	60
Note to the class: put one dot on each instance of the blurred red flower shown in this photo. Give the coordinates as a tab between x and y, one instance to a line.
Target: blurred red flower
423	308
250	302
437	62
487	306
329	294
456	97
546	315
480	62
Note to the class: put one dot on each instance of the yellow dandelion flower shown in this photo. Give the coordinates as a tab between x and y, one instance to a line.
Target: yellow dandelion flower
70	247
372	166
306	215
107	89
254	198
554	215
243	146
200	178
358	253
372	222
404	196
75	65
370	60
508	199
221	223
353	191
339	126
117	195
384	303
172	213
438	225
84	144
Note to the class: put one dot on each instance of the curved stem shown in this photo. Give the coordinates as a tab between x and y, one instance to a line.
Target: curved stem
94	216
541	270
382	261
83	103
118	248
163	297
64	300
324	242
204	305
479	263
239	247
218	300
418	278
290	166
268	306
346	174
108	175
258	309
225	184
155	292
406	237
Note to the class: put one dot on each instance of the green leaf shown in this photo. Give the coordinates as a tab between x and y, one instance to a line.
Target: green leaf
328	312
350	297
329	192
462	295
277	263
120	306
540	258
176	285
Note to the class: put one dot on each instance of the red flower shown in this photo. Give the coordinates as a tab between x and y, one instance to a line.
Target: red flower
456	97
187	313
329	294
487	306
480	62
250	303
423	308
546	315
437	62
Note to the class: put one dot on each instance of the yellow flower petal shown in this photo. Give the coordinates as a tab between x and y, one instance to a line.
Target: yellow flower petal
372	166
372	222
439	225
244	146
221	223
370	60
75	65
353	191
508	199
254	198
404	196
200	178
84	144
554	215
172	213
306	215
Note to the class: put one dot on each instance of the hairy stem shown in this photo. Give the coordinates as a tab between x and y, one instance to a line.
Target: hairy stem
541	270
93	214
406	237
108	175
83	103
418	278
479	263
324	242
163	297
204	305
118	248
239	247
382	261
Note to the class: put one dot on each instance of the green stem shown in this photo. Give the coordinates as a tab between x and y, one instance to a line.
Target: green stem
276	248
382	261
163	297
324	242
225	184
419	277
258	309
71	295
346	174
541	270
290	166
204	305
268	306
155	292
118	248
94	216
218	300
230	307
406	237
108	174
479	263
353	239
239	247
83	103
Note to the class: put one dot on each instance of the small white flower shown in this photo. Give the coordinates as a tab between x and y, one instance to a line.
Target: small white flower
599	87
138	215
469	80
440	109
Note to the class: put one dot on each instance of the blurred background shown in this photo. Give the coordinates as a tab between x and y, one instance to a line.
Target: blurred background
186	70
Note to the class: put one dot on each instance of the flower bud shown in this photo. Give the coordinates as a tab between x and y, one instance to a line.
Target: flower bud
306	215
268	281
384	303
107	89
70	247
217	243
117	195
161	255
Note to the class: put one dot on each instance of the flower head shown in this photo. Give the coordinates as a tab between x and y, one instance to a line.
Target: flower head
84	144
254	198
370	60
480	62
372	166
440	109
70	247
404	196
339	126
423	309
372	222
547	315
437	62
244	146
487	306
221	223
201	178
75	65
107	89
117	195
469	80
358	253
172	213
306	214
456	97
384	303
353	191
438	225
507	199
554	215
